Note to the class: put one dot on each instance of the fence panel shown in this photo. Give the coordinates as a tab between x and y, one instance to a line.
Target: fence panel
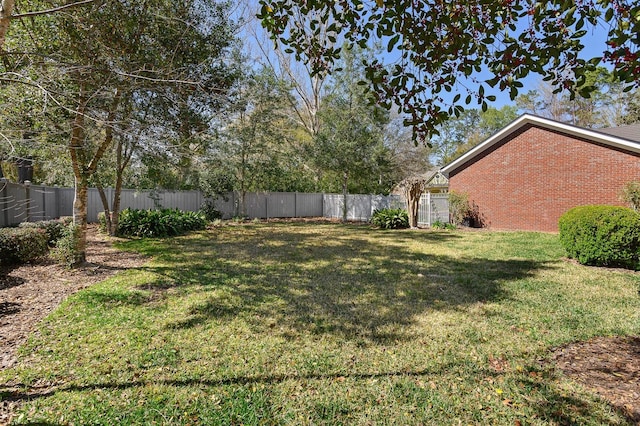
359	207
332	206
309	205
51	202
433	208
37	203
7	204
281	204
226	205
256	205
440	208
17	204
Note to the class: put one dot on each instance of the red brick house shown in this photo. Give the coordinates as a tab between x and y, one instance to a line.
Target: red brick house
528	174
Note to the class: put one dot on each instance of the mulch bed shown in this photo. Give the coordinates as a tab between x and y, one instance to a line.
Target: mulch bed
28	293
609	366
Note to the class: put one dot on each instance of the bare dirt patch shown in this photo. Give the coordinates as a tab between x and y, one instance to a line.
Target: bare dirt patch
609	366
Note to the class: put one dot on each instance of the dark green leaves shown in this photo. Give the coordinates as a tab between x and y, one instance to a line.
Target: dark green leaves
443	43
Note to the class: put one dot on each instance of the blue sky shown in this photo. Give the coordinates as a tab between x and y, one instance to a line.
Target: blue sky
594	46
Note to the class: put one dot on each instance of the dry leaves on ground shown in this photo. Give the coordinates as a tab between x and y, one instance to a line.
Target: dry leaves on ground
608	366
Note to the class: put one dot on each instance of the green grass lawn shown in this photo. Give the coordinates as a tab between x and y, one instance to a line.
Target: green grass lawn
292	323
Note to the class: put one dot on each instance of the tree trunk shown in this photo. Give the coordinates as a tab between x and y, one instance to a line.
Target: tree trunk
80	217
414	204
122	161
80	178
105	207
6	11
412	193
115	219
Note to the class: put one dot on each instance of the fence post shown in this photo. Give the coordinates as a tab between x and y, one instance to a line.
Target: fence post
27	192
44	204
429	208
4	194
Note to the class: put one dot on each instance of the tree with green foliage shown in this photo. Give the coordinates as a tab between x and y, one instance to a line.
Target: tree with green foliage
89	62
447	46
257	150
460	134
349	145
608	105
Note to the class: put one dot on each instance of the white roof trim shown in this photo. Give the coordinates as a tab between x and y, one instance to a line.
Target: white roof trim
527	119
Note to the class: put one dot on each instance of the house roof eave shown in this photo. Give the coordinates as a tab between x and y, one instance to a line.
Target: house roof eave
527	119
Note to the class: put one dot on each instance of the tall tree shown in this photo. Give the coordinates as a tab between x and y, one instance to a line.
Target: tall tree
92	59
605	106
256	150
350	141
445	46
459	135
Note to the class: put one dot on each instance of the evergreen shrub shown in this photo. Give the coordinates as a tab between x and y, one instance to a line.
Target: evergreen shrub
66	250
209	210
602	236
390	218
53	228
21	245
159	223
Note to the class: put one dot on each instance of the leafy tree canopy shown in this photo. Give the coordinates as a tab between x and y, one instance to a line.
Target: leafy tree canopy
443	45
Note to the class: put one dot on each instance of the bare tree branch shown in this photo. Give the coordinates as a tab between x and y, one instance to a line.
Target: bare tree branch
49	11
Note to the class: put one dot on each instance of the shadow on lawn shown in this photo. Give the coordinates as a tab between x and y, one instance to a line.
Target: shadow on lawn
546	401
361	284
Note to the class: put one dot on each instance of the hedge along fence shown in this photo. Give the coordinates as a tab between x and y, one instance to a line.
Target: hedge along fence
602	235
20	245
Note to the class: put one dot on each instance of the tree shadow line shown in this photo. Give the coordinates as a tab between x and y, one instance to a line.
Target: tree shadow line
552	404
364	284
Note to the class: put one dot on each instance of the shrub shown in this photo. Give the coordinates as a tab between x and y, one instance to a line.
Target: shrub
159	223
66	250
631	194
459	207
20	245
390	218
102	222
208	209
602	235
443	225
54	229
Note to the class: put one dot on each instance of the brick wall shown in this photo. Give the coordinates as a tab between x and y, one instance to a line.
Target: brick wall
529	180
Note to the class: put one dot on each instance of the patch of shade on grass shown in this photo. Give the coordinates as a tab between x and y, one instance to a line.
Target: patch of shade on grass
327	324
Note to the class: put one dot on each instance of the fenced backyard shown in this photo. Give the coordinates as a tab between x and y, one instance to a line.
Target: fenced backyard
326	323
28	203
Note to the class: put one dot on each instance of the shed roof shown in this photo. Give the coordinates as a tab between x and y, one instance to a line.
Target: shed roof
618	137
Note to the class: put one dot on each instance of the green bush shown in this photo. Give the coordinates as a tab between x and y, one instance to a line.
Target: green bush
102	222
159	223
631	194
602	235
390	218
459	207
20	245
53	228
208	209
443	225
66	250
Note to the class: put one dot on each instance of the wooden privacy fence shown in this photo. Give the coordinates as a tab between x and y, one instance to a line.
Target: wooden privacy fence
29	203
